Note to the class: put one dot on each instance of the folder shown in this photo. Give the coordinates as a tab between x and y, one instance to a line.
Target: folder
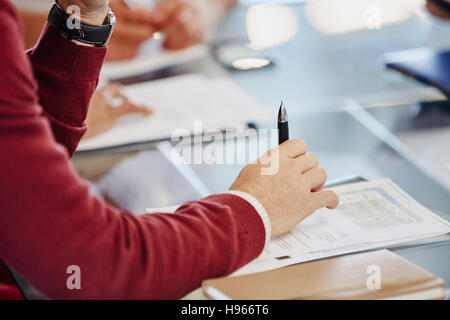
378	274
425	65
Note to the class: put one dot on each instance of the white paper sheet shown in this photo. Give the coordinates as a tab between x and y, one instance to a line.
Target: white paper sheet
370	215
178	102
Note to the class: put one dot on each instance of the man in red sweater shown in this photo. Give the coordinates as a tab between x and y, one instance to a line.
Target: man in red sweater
49	221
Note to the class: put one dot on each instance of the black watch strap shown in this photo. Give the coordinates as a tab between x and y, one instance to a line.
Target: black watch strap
85	33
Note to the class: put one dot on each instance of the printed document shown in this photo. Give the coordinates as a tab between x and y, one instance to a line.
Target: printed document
370	215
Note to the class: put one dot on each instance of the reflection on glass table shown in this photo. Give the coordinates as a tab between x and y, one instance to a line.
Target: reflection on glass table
321	57
425	129
348	143
336	52
139	180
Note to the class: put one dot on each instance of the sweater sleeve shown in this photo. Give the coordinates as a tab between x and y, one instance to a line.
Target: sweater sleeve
67	75
48	219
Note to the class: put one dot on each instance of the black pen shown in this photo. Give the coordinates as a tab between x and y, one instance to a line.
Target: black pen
283	126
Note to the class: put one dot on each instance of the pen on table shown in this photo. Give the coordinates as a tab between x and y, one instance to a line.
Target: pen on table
283	125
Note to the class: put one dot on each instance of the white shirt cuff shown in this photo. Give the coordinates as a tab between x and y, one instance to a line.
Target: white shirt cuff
259	208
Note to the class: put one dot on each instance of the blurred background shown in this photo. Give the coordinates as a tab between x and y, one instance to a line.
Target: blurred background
325	59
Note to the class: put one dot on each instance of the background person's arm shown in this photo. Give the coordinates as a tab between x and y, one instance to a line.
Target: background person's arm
184	23
134	27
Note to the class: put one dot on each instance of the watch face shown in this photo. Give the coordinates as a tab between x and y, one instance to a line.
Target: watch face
110	18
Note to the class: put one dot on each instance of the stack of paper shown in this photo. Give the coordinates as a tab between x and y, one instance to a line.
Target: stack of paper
181	104
370	215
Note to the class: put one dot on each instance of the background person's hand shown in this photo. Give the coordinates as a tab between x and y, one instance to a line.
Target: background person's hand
107	105
134	26
294	192
186	23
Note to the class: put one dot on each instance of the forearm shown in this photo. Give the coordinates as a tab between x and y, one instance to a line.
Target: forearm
121	256
67	75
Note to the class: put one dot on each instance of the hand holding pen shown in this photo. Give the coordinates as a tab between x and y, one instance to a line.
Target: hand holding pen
293	190
283	125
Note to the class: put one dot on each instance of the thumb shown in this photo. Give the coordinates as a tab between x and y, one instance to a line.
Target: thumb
326	198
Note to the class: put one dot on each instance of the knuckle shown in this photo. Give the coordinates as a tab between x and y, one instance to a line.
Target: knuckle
296	144
335	197
332	197
323	173
301	144
314	160
292	164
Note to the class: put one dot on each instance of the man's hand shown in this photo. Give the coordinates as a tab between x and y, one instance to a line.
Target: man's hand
186	23
92	12
294	192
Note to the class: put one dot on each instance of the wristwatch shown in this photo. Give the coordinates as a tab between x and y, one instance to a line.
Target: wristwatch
73	29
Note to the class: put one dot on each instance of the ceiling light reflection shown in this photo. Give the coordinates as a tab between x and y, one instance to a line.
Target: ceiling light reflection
250	63
344	16
270	24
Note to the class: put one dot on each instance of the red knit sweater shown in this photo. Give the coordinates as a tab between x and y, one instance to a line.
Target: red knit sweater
48	219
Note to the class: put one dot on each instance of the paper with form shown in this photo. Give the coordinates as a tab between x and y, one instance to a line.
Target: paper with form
178	103
370	214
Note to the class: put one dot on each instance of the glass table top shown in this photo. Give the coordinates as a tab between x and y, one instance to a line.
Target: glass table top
347	143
